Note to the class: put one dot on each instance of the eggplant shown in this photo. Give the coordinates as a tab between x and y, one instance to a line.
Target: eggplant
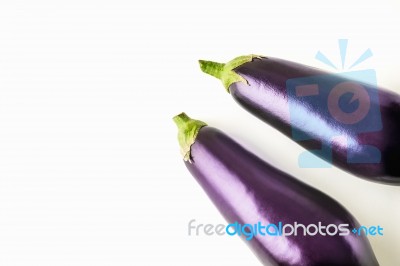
342	119
248	190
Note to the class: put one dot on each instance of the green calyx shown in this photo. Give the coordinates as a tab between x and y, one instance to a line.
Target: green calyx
225	72
187	132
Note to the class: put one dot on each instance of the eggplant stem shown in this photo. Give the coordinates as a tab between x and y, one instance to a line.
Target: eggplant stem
225	72
212	68
188	129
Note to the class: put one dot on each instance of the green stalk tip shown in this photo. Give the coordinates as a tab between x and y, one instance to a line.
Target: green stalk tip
212	68
225	72
188	129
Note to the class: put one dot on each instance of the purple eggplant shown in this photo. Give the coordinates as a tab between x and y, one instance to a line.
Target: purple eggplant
351	124
247	190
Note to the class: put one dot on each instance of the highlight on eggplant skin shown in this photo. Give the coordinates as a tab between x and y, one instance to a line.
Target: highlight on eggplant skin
247	190
259	84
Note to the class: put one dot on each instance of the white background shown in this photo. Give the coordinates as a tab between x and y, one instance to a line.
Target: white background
90	170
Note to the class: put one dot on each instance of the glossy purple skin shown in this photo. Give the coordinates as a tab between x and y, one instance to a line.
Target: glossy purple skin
266	97
246	189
